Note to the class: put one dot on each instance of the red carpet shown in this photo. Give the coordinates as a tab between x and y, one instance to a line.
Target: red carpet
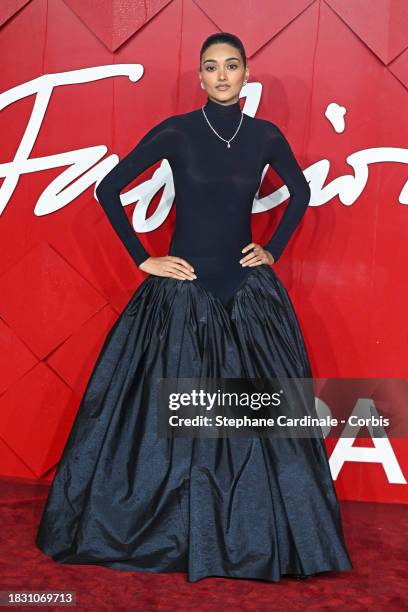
375	535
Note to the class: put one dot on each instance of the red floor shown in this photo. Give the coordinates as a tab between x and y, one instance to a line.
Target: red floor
376	536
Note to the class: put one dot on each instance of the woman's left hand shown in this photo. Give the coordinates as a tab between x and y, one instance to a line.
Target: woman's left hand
257	256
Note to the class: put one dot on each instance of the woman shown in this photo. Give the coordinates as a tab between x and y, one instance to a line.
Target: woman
128	499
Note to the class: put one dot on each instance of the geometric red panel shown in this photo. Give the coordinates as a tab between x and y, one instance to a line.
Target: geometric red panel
399	68
44	300
75	358
15	358
115	21
382	26
8	8
41	407
255	27
12	466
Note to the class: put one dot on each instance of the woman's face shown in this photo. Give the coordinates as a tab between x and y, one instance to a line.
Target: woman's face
222	71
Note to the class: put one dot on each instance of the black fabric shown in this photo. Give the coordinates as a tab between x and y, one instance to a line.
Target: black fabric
215	185
244	507
248	508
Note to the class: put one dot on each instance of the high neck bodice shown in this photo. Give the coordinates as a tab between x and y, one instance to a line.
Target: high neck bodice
214	187
216	110
224	118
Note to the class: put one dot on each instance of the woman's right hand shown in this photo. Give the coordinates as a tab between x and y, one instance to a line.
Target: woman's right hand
170	266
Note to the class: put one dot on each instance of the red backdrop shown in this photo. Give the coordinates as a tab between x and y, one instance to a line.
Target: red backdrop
83	79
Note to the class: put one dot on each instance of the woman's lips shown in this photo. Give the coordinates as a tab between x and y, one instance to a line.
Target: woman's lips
222	87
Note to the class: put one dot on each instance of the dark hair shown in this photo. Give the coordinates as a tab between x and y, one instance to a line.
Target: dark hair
224	37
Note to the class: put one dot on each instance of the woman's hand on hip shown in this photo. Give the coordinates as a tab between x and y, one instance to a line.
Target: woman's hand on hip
257	255
170	266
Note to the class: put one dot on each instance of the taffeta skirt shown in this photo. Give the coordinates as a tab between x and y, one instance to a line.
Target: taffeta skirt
128	499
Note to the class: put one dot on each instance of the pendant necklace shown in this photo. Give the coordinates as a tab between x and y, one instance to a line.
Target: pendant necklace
216	133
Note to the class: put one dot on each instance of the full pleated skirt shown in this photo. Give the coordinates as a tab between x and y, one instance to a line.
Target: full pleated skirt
126	498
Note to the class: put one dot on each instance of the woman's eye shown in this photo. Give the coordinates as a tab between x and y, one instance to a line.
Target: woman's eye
210	68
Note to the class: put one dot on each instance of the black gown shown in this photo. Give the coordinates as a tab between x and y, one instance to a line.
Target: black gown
251	507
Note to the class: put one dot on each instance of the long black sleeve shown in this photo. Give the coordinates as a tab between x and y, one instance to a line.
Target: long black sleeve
157	144
282	159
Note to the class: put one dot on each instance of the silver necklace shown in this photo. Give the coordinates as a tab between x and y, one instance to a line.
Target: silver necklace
216	133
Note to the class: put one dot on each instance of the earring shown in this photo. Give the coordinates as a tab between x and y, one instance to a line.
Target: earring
245	82
202	85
